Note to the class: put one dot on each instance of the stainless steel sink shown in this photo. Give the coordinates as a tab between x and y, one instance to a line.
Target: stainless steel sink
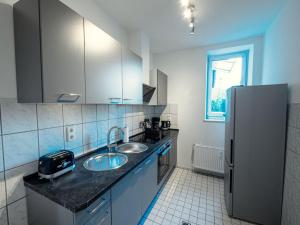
105	161
131	147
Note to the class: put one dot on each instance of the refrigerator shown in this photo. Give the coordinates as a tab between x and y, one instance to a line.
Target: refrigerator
255	133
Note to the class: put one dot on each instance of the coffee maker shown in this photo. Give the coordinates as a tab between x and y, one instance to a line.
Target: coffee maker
165	124
152	128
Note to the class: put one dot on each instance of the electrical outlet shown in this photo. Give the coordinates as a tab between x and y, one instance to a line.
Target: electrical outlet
70	134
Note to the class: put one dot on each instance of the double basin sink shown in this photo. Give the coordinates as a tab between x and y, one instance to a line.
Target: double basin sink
111	161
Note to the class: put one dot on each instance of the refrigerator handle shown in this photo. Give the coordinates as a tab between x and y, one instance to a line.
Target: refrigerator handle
230	181
231	152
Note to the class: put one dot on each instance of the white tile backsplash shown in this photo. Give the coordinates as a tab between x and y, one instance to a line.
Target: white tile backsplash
121	111
102	127
2	191
14	181
32	130
18	117
102	112
1	156
128	110
51	140
72	114
174	109
89	113
113	112
20	148
89	133
49	115
128	123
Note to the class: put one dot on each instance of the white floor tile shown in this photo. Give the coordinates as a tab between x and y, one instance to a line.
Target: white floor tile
193	198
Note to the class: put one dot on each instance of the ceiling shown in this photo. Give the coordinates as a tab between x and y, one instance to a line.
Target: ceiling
217	21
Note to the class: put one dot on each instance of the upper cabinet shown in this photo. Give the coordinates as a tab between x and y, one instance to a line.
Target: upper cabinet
61	57
132	77
8	91
103	66
159	80
49	41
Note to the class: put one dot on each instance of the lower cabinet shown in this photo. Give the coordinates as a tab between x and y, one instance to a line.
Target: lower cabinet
99	213
131	196
173	154
126	206
149	181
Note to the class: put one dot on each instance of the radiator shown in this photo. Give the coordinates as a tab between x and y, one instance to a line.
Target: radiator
207	158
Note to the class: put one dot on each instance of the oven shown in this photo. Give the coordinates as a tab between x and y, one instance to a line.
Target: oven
163	161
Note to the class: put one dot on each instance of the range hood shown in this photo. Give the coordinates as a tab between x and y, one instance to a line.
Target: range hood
148	92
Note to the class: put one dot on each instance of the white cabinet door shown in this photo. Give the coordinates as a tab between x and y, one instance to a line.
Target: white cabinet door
103	66
8	88
62	41
132	77
126	199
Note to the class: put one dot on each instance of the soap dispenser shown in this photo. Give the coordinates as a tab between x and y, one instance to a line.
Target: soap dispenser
126	134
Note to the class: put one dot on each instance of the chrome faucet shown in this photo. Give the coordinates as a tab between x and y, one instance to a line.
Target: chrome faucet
109	145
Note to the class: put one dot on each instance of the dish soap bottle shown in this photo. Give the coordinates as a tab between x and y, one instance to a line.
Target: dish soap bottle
125	134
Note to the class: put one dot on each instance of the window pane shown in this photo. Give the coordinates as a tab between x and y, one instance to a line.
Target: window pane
225	71
225	74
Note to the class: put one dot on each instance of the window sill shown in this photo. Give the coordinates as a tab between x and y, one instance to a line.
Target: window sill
213	121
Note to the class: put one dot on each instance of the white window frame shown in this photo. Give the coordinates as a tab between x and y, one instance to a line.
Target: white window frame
220	116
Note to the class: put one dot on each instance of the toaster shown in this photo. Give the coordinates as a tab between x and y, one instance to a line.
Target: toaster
56	164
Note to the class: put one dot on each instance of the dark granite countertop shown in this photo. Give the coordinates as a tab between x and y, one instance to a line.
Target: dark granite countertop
80	188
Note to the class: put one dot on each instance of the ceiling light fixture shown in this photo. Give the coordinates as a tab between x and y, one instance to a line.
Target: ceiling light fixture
184	3
188	14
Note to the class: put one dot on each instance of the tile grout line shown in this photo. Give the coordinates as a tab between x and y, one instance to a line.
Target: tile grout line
4	167
38	132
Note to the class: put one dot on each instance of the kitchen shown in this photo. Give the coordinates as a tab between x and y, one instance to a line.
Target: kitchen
149	112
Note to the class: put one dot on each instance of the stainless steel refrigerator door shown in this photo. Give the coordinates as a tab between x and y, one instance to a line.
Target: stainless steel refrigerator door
229	126
228	176
260	129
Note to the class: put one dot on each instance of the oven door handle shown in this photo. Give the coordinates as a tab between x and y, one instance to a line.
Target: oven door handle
165	151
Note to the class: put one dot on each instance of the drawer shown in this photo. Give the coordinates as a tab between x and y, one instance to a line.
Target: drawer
100	219
99	208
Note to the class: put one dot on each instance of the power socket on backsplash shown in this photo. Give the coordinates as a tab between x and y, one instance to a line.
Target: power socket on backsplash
70	134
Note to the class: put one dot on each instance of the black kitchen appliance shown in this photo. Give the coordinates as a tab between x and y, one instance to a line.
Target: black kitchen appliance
148	92
56	164
163	161
155	123
152	128
165	124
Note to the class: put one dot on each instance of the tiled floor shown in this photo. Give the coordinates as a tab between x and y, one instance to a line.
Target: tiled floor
190	197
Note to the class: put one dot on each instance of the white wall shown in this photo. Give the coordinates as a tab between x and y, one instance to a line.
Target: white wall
186	71
90	10
282	47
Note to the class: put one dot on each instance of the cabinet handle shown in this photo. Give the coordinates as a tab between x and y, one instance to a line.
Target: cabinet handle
68	95
128	99
115	100
138	171
230	181
231	152
103	202
148	162
104	218
166	150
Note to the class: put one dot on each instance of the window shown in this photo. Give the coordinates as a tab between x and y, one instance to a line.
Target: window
223	72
